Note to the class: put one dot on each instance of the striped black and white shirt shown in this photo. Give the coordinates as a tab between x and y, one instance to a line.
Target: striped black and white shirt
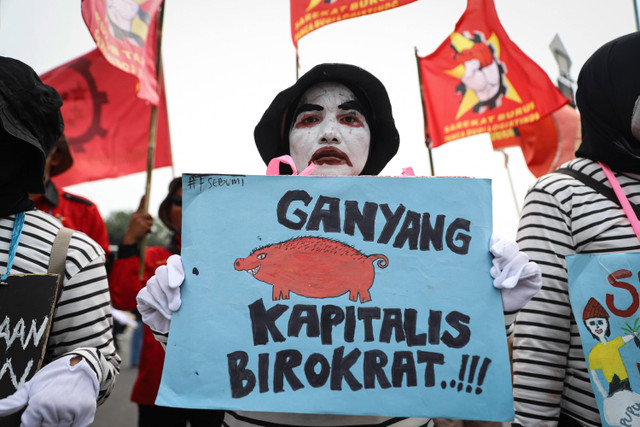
82	322
562	216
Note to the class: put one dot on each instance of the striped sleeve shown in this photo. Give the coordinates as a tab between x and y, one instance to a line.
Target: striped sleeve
542	331
82	324
161	337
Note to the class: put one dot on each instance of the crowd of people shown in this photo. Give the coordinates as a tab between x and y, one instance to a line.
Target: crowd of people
338	118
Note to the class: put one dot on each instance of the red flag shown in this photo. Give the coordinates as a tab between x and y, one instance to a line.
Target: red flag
106	125
479	81
506	138
125	31
309	15
547	143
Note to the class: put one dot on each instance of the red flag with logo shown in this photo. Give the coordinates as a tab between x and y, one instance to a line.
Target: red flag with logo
106	124
309	15
547	143
125	31
479	81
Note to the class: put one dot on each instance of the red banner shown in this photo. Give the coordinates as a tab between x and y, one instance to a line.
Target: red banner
125	31
309	15
547	143
106	124
479	81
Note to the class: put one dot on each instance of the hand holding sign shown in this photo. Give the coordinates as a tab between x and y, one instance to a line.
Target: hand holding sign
161	297
513	273
61	393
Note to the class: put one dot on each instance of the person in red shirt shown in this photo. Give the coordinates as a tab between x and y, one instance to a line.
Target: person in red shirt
124	284
73	211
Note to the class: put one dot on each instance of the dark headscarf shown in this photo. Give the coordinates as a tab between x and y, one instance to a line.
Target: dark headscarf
30	125
272	132
608	86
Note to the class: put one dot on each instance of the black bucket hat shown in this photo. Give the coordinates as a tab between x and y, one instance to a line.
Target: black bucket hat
29	113
272	132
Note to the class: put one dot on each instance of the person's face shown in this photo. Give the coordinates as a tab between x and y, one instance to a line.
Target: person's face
175	211
598	327
330	131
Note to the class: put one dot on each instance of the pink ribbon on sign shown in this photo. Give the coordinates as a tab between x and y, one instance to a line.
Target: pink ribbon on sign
624	202
273	168
408	171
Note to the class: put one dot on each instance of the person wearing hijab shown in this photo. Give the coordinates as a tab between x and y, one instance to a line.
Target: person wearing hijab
338	118
80	363
563	216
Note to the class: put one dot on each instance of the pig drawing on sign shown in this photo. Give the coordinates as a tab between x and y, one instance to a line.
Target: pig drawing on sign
314	267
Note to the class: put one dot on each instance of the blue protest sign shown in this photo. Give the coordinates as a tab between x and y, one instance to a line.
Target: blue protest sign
338	295
603	290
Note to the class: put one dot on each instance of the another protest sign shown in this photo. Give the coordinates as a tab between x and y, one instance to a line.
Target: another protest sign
604	294
338	295
26	309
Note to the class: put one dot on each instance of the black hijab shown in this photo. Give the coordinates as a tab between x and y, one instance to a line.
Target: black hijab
608	87
30	125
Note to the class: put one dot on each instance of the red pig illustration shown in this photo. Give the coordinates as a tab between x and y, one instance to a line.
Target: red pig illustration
314	267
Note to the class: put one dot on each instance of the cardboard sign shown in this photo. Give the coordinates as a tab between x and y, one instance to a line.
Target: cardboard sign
338	295
604	294
26	310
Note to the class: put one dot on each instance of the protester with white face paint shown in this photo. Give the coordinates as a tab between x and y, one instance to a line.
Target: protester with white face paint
330	131
339	118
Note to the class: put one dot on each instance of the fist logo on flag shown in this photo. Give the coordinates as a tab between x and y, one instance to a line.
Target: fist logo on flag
483	81
469	82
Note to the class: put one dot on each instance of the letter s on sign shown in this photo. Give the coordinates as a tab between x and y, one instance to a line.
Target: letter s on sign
635	299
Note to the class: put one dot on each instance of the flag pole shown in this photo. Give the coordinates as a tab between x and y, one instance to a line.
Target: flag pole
427	137
153	127
635	9
513	190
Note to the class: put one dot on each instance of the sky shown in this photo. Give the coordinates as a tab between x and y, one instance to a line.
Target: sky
225	60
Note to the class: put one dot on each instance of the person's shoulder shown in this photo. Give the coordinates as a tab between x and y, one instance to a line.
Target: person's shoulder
74	198
558	179
47	227
158	255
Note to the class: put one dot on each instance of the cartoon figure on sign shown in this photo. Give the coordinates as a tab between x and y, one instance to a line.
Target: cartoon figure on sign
314	267
621	405
483	80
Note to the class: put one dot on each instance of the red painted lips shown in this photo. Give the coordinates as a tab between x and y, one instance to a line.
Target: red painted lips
330	156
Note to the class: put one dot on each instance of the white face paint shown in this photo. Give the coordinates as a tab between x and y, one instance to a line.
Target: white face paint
330	131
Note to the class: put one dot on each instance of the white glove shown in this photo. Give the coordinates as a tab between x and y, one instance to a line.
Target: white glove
518	278
161	297
58	395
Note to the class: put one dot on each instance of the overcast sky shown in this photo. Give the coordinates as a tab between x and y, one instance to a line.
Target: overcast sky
225	60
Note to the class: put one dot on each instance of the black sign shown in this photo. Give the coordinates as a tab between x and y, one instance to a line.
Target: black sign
26	310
